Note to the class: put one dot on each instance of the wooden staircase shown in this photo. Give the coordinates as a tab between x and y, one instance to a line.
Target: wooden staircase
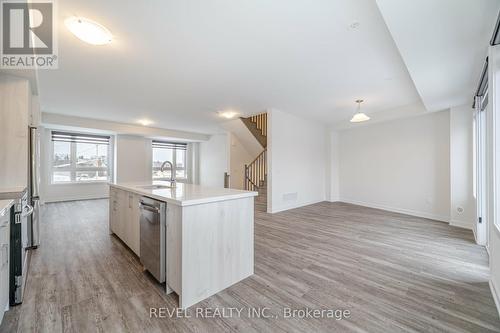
256	172
257	125
261	200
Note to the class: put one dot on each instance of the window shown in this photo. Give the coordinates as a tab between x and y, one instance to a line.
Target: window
173	152
80	158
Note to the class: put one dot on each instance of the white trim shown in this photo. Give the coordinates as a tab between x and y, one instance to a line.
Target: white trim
494	293
425	215
474	233
174	164
463	225
293	206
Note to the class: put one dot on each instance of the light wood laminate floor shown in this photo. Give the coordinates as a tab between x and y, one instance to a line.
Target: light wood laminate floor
393	272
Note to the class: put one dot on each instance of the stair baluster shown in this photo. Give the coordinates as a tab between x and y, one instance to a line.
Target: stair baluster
256	172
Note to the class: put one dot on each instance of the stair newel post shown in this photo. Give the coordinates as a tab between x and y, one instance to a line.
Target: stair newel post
260	168
257	178
253	176
246	177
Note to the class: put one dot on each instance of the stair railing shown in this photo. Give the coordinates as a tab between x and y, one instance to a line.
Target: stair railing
260	120
255	172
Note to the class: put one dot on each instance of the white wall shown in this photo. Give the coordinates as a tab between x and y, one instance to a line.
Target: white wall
297	161
334	167
461	167
96	125
132	162
133	159
63	192
213	160
238	157
493	171
401	165
239	130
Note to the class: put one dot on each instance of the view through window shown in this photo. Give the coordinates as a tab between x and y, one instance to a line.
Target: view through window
173	152
80	157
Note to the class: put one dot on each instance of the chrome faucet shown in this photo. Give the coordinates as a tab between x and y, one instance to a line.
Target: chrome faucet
172	176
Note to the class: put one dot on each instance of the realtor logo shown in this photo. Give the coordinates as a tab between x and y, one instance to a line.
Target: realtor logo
28	38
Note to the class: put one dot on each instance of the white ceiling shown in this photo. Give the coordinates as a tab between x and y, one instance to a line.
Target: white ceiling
176	62
444	45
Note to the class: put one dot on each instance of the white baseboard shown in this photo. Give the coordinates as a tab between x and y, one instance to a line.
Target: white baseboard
474	232
462	224
425	215
496	296
273	210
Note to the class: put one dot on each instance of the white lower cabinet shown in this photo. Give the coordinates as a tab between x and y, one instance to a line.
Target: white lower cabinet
4	262
124	216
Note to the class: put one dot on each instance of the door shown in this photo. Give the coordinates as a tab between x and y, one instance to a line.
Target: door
129	222
135	216
121	216
118	213
112	210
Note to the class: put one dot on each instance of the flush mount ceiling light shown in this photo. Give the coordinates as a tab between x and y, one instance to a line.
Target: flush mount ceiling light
145	122
89	31
359	116
229	114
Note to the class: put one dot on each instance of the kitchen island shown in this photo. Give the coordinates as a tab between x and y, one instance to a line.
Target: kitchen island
209	243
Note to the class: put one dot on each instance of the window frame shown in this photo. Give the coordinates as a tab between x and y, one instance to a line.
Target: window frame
73	168
186	169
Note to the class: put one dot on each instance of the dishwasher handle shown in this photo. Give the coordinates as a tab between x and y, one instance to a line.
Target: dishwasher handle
149	208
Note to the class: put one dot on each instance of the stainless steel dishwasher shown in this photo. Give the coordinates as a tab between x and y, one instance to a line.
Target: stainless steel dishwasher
153	235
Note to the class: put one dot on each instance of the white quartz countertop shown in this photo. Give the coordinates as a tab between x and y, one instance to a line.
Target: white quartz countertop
4	206
184	194
11	192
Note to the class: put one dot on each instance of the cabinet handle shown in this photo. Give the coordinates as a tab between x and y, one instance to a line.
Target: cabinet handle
149	208
28	211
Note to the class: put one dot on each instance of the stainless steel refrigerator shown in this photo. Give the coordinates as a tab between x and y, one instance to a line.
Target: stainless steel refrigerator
25	221
34	190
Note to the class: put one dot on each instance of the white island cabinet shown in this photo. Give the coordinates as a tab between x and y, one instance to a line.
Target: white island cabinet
209	234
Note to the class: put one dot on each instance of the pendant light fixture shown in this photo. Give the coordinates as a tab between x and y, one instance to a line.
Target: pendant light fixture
359	116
